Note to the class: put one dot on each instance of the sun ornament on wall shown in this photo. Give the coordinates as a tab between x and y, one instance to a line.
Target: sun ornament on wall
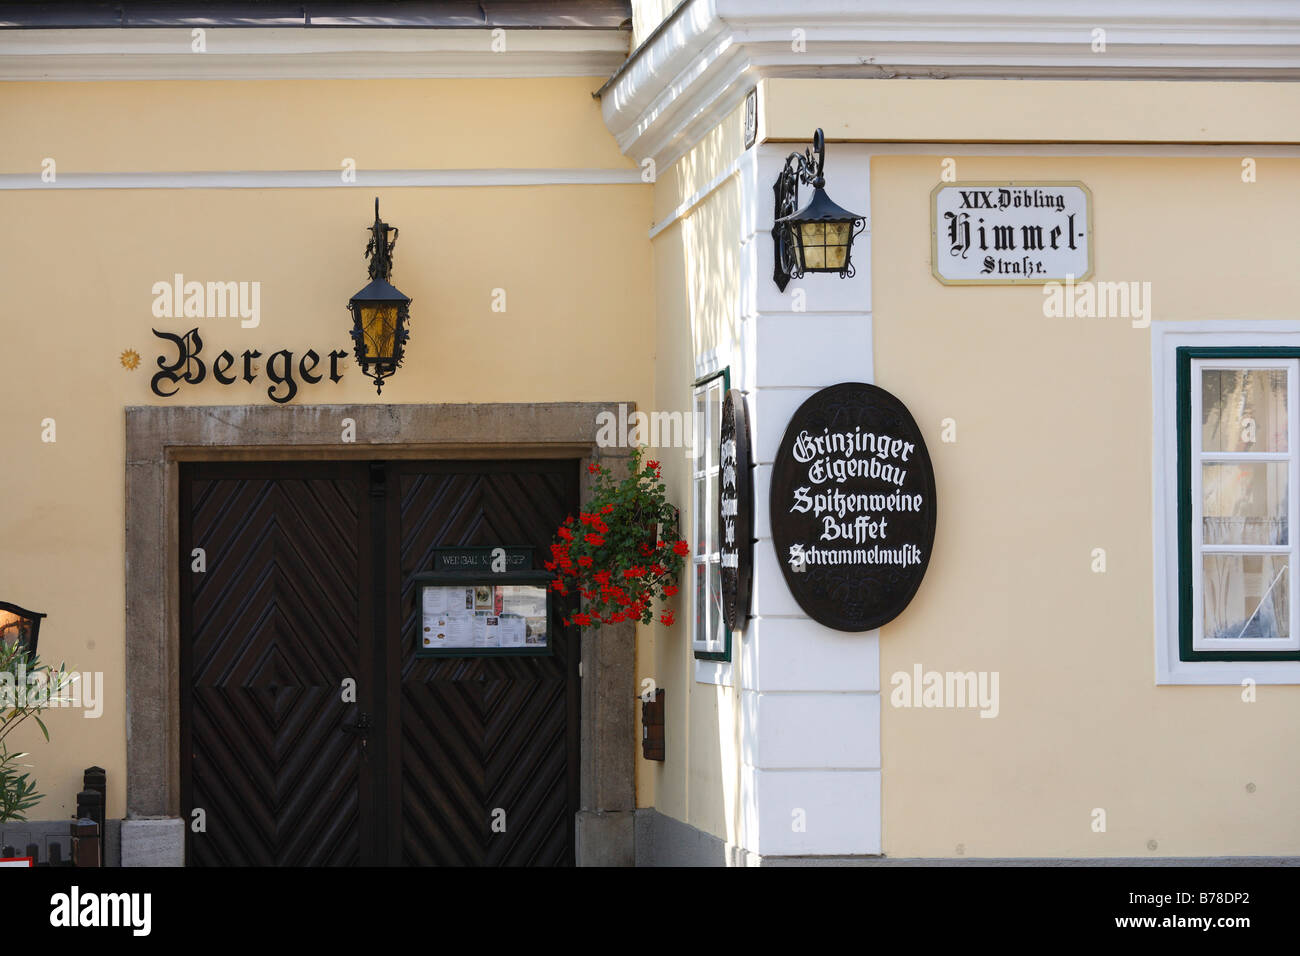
130	360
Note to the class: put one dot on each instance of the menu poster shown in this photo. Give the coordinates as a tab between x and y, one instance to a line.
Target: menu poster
483	617
513	630
448	617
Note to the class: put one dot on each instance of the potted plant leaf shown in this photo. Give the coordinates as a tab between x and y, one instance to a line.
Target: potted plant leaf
26	686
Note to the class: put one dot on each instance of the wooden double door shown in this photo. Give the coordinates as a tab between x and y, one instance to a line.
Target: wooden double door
311	733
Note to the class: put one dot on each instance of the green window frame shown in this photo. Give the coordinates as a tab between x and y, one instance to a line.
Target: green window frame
710	639
1195	462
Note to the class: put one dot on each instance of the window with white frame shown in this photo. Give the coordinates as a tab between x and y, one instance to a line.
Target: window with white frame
1225	494
1239	495
709	637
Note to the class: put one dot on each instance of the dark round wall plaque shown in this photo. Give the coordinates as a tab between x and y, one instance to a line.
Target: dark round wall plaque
853	506
735	511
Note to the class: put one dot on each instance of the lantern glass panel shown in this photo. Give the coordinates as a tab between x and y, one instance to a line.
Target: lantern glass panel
837	254
814	244
15	628
379	329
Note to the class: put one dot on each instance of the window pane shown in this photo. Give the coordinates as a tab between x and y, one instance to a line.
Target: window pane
1244	410
714	529
1247	596
1244	502
703	516
701	604
716	623
700	428
715	421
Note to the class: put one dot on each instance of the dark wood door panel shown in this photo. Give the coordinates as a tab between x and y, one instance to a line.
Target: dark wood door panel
272	628
514	720
526	753
308	582
444	783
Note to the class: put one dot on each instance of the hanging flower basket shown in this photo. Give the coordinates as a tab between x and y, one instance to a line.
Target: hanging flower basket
622	554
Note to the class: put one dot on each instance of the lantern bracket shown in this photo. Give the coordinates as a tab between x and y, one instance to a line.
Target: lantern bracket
379	250
807	167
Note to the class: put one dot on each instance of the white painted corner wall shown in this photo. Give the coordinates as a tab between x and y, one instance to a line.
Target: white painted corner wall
809	695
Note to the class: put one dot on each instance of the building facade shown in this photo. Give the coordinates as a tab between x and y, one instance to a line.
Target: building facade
225	523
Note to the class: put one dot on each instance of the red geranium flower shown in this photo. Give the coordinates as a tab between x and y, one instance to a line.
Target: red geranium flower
635	571
682	548
658	569
584	560
582	619
564	533
670	590
601	577
594	539
593	468
607	509
667	618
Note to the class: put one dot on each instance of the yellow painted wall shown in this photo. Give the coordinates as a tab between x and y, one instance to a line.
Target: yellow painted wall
1031	111
697	294
78	266
306	124
1052	460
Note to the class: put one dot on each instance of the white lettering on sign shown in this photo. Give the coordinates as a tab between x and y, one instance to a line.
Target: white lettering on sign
853	517
1010	232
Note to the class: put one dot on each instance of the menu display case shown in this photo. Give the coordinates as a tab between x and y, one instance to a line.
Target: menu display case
467	609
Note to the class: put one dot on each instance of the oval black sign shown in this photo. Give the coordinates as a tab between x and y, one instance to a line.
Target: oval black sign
853	506
735	511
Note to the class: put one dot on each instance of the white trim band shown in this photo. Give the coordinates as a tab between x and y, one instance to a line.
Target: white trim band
297	53
325	179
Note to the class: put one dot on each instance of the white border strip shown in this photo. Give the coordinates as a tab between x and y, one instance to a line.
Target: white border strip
325	179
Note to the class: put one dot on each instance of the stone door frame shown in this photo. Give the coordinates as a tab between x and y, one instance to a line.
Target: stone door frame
159	438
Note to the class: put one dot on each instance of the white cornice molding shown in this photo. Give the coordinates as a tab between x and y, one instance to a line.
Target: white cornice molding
322	179
297	53
701	62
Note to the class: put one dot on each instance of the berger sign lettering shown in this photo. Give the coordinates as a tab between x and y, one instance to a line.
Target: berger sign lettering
853	506
187	365
735	511
1010	233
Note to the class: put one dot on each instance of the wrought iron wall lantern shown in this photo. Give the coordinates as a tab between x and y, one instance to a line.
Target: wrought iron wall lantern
819	237
380	311
21	626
